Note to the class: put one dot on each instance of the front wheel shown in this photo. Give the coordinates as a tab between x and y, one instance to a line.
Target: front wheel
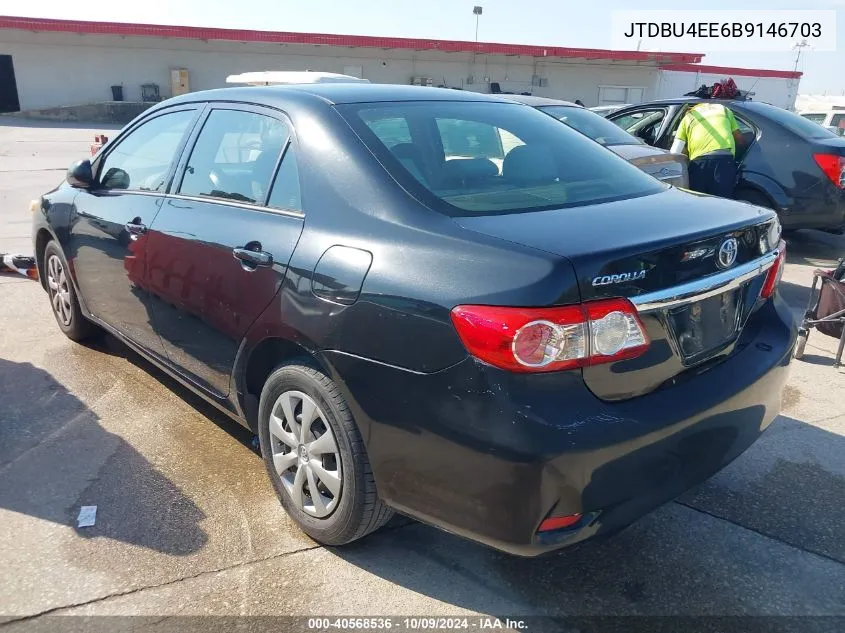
63	298
315	457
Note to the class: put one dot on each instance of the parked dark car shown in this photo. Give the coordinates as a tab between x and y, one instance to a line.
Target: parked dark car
663	165
786	162
526	341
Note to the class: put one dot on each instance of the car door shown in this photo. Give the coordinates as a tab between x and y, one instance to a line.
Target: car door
107	240
220	245
746	128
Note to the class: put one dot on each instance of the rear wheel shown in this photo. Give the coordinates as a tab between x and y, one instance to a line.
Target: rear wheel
63	297
315	457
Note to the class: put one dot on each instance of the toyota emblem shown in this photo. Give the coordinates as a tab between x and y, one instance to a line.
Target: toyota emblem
726	256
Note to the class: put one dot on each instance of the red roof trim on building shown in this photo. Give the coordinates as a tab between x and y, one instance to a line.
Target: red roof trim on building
365	41
729	70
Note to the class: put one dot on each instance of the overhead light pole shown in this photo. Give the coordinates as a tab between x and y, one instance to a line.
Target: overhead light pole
799	46
476	11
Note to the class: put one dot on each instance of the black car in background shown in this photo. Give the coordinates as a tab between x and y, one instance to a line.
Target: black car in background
429	301
787	163
663	165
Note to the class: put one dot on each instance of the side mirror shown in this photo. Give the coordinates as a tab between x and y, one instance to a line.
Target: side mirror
80	175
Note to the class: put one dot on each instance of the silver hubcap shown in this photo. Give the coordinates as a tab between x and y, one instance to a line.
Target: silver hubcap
305	453
57	282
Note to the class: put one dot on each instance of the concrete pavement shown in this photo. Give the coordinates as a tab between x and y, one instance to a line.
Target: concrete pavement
188	524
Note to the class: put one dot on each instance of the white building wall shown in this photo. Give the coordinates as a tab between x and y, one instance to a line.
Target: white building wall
54	69
777	91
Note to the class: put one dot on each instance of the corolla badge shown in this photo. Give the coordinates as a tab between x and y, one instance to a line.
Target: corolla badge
726	256
621	278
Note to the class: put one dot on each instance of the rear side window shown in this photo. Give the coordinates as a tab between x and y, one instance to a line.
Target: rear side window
285	193
469	158
141	160
235	156
791	121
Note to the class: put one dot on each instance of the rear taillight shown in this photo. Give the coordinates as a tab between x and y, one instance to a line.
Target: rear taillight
833	167
775	273
551	339
559	523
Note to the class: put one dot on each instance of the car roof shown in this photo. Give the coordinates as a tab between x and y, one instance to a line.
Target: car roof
534	102
332	93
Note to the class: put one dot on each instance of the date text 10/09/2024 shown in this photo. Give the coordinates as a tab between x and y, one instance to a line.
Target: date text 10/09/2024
415	623
722	29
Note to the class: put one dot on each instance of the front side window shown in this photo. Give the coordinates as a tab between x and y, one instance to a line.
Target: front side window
142	160
644	124
235	156
638	120
470	158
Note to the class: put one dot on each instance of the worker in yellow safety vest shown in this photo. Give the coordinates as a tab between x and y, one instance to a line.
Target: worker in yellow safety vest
709	135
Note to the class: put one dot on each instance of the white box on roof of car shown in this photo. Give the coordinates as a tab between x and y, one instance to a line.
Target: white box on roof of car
282	77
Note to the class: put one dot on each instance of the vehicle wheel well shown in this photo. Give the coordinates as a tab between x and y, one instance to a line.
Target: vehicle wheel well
41	240
755	196
266	357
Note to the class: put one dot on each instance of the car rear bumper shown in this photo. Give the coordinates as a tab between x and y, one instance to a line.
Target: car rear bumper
825	211
489	454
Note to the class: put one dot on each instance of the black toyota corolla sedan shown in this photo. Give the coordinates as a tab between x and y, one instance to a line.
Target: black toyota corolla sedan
526	341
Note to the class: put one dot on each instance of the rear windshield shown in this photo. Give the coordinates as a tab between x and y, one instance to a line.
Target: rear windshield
471	158
791	121
593	125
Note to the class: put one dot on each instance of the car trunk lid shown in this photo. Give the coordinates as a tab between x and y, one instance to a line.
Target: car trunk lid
651	249
670	168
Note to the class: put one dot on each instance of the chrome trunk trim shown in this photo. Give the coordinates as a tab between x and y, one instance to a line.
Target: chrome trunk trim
705	287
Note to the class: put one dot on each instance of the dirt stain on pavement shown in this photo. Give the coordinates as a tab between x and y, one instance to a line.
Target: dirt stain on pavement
791	397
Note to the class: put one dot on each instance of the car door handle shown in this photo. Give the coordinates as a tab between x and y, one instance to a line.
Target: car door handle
135	228
255	258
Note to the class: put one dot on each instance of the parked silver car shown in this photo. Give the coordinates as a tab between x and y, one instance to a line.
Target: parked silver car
663	165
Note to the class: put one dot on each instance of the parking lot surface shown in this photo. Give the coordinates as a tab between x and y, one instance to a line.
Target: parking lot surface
187	522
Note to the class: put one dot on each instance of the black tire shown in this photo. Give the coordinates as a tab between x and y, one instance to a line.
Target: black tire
69	316
358	510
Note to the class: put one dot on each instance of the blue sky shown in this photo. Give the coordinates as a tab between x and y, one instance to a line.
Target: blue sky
549	22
